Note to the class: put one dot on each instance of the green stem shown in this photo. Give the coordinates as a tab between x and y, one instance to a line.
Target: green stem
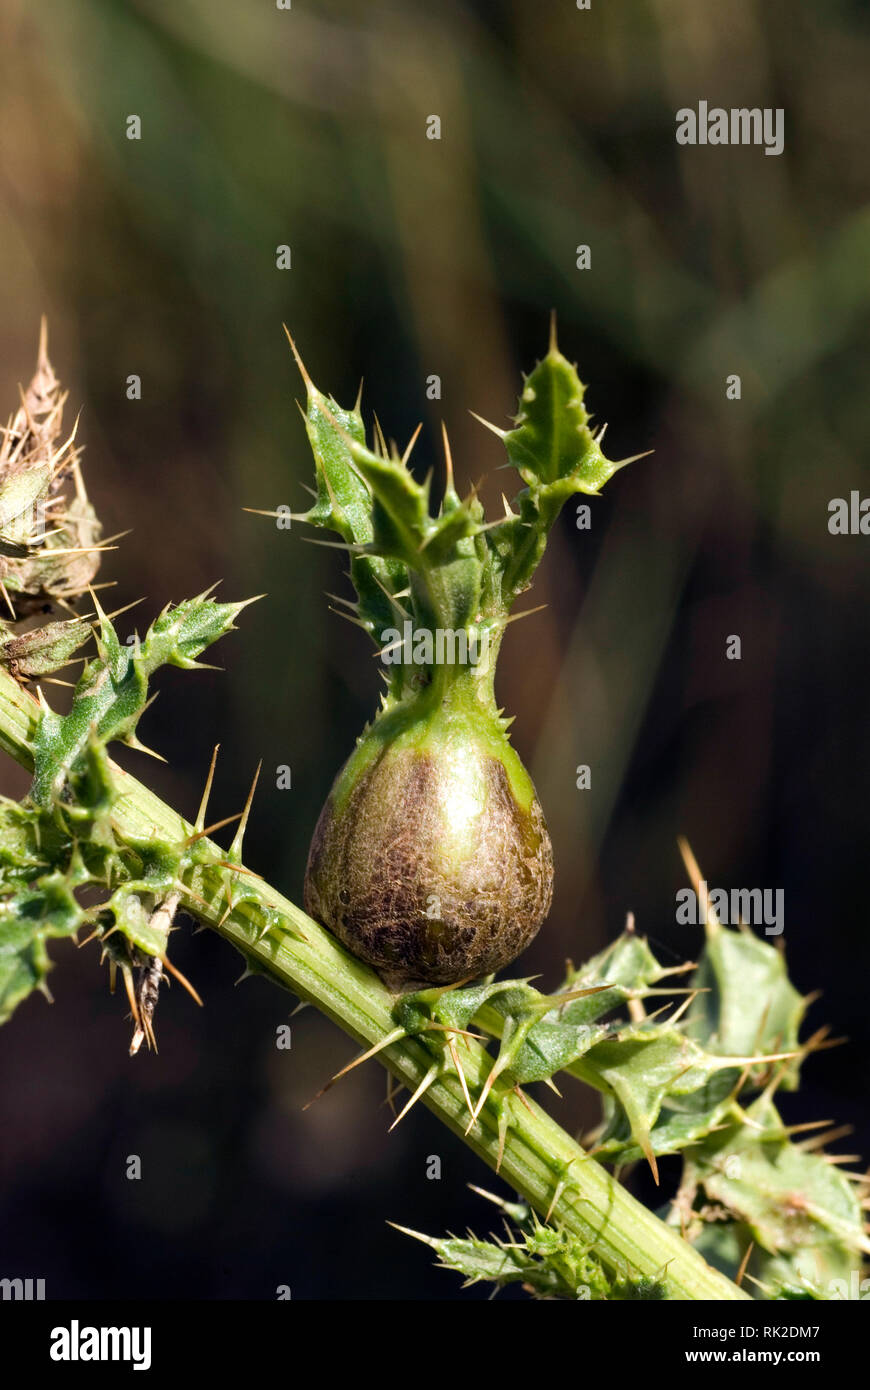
540	1160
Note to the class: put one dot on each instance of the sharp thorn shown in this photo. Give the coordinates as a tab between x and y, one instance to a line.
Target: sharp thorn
203	805
421	1090
489	425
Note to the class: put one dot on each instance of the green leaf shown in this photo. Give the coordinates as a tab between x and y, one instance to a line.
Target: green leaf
558	1267
552	440
642	1071
112	692
557	456
547	1260
802	1213
344	504
43	649
343	501
627	965
29	918
400	518
458	569
748	1004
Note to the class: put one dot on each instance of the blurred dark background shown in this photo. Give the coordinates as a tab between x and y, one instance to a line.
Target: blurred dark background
412	257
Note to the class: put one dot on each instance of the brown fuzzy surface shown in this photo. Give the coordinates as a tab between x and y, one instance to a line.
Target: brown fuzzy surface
373	877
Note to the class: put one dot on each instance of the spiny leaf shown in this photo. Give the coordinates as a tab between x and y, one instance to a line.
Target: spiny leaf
747	1003
400	516
547	1260
29	918
557	456
112	692
42	650
800	1211
62	838
551	441
642	1069
626	964
454	570
344	504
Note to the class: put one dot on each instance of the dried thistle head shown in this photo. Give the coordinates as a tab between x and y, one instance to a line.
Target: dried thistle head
49	532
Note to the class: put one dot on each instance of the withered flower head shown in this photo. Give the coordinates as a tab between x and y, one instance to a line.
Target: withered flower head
49	532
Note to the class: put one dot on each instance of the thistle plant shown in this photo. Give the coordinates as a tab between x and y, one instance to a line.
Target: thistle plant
431	859
687	1061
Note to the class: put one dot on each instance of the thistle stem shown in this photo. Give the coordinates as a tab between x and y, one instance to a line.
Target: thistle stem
539	1159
